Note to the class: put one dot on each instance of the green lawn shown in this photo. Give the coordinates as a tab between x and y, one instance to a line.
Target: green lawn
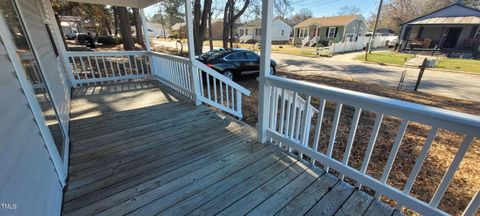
468	65
386	57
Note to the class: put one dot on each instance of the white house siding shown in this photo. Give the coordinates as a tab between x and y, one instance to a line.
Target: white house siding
53	70
278	26
27	175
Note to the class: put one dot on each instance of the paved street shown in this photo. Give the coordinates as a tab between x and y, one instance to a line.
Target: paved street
455	85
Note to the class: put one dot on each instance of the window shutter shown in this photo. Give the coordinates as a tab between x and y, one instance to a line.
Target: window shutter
336	31
326	33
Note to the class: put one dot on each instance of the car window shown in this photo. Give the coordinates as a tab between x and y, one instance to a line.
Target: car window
252	56
236	56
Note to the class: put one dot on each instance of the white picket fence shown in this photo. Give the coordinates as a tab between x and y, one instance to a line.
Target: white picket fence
360	44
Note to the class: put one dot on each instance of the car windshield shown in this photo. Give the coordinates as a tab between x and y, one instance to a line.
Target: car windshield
211	55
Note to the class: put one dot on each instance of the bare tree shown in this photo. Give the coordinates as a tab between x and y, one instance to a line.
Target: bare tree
229	18
348	10
138	27
125	30
200	23
282	8
300	16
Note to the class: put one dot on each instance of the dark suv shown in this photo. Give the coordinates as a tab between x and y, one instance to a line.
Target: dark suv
234	63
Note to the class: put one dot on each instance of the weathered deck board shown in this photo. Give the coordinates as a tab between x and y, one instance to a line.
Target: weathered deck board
138	149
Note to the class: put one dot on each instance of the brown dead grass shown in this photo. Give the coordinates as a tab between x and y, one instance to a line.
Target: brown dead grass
466	180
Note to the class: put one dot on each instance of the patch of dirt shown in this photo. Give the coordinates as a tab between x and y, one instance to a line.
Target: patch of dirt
466	180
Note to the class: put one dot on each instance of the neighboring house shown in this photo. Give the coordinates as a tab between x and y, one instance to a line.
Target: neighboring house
385	32
179	30
71	25
157	30
217	29
337	28
251	31
453	30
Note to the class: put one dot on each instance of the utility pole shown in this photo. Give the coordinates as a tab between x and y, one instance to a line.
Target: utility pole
375	27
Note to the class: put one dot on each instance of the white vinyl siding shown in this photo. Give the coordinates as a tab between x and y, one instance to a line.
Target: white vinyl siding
28	177
53	71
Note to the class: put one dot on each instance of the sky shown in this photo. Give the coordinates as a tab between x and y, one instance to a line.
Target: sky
320	7
330	7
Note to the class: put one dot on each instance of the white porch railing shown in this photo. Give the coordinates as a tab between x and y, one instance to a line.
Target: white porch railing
100	67
306	41
175	72
291	126
214	89
218	91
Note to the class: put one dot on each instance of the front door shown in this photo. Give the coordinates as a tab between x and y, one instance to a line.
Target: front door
452	37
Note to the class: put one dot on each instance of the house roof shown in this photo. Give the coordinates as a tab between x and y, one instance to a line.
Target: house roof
448	20
177	26
328	21
258	23
462	15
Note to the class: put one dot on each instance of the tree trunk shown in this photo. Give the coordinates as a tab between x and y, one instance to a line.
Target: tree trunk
230	29
115	20
138	27
125	30
210	33
200	23
229	19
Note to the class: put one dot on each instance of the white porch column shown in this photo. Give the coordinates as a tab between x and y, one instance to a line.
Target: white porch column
265	61
148	48
191	50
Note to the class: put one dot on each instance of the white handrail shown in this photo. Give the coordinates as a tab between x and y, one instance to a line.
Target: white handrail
450	120
105	53
438	119
213	88
100	67
222	78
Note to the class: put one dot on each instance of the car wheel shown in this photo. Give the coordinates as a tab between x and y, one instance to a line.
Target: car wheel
272	70
228	74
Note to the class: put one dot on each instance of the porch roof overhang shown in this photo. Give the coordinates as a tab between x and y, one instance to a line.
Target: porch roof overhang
121	3
460	20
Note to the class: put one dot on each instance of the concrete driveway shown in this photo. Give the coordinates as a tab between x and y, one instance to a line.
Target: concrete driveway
455	85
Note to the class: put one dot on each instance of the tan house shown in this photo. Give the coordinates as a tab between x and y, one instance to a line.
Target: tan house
337	28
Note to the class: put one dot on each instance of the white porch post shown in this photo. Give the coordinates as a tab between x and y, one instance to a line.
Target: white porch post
191	50
148	48
265	54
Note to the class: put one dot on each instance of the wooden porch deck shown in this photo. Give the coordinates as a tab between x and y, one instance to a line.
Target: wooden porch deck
138	149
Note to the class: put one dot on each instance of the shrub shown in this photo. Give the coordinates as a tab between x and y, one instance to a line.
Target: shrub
323	43
109	40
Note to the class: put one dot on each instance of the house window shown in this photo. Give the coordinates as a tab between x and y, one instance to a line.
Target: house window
354	30
246	31
283	32
477	35
303	33
331	32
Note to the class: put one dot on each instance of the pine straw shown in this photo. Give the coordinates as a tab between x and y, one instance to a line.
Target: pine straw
466	180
